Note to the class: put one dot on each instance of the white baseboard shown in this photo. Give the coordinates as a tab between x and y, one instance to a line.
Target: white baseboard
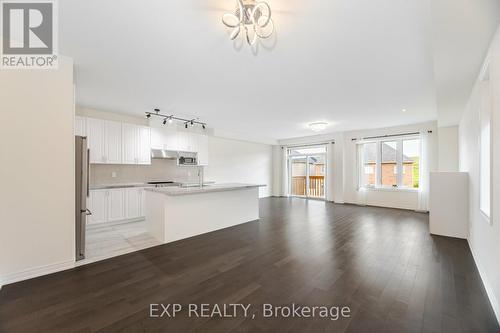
35	272
489	291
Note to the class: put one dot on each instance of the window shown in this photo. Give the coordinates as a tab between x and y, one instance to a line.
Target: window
369	160
485	152
391	164
411	163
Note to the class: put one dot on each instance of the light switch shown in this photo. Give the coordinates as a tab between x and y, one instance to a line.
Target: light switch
113	174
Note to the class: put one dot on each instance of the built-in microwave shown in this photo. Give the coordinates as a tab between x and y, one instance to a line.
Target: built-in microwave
187	159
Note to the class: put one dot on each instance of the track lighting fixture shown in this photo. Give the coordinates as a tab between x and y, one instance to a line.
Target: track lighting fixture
170	119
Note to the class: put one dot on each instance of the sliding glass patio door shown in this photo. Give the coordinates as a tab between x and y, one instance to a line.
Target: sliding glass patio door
307	172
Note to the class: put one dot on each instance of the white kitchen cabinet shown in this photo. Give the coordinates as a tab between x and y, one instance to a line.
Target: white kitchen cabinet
202	149
80	126
97	204
130	143
157	138
164	138
136	144
170	142
134	203
113	142
144	145
115	205
186	141
167	137
104	141
96	140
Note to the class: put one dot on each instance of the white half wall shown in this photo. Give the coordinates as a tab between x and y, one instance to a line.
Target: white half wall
484	236
37	217
233	161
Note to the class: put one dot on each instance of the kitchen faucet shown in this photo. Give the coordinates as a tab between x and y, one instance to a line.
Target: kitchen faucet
200	176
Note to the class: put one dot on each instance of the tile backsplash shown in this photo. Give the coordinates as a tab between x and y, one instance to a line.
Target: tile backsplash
158	170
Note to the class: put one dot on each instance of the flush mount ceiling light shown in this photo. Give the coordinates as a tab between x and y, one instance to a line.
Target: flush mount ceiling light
318	126
252	17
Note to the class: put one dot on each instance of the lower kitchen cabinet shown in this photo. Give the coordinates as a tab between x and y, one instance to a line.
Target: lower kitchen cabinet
134	202
112	205
97	204
116	205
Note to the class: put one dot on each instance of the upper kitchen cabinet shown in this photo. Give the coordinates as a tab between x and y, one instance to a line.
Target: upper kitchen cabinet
113	142
169	138
144	154
186	141
80	126
202	148
104	141
136	144
96	138
164	137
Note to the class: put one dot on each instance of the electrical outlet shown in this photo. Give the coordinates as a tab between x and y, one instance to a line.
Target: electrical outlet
113	174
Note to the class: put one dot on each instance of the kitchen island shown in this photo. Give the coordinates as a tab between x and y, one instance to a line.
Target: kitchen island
174	213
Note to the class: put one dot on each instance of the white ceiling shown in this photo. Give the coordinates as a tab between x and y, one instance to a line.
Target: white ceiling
353	63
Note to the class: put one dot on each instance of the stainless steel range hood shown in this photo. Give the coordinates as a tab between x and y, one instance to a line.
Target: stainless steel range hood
164	154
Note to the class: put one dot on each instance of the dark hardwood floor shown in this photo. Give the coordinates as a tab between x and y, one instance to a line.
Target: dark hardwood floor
382	263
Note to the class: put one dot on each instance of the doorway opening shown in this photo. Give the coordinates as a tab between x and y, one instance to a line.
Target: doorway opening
307	172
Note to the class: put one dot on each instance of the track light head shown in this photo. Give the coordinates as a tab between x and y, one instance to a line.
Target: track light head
164	121
148	115
170	120
192	123
156	110
186	125
203	126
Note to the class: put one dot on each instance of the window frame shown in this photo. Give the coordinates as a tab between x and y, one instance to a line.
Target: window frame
399	165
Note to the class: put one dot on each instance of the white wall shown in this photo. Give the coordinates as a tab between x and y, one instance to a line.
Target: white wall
448	149
342	169
232	161
37	171
484	238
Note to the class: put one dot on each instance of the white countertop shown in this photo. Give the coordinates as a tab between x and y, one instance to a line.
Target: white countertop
117	185
176	191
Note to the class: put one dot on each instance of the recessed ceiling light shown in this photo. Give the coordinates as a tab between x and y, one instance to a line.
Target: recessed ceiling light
404	110
318	126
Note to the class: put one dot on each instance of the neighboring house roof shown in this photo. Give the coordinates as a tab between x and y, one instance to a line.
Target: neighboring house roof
388	154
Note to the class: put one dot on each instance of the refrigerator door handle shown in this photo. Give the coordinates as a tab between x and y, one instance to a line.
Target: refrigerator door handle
88	172
86	211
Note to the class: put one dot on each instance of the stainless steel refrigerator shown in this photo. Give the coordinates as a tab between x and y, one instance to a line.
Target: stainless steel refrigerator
82	193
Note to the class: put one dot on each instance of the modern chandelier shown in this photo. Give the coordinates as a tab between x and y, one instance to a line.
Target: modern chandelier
252	18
